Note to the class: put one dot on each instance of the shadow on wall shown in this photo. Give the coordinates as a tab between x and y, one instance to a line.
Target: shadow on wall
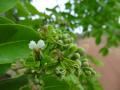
110	72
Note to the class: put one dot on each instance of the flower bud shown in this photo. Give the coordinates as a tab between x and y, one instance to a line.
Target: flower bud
60	41
11	72
21	71
72	48
56	38
41	44
88	73
85	60
67	40
60	72
81	51
32	45
75	56
37	81
65	36
79	62
86	63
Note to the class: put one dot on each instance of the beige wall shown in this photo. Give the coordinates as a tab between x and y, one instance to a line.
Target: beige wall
111	70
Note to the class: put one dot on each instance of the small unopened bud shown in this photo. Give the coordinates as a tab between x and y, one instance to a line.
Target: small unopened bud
32	45
60	41
79	62
37	81
88	73
11	72
33	71
41	44
72	48
75	56
86	63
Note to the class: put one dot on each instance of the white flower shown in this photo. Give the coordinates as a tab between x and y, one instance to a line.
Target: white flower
32	45
40	44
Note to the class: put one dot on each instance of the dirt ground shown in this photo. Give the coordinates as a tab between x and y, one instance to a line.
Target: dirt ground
110	72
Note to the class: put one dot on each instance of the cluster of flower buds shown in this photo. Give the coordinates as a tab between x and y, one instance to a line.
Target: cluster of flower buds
17	69
60	72
60	57
88	70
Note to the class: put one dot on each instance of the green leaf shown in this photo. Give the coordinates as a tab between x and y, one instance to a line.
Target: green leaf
22	10
52	83
9	52
95	60
104	51
10	33
13	84
6	5
31	8
98	39
14	41
4	20
4	68
68	5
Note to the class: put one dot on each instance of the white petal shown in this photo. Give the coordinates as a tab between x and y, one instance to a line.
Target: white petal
32	45
41	44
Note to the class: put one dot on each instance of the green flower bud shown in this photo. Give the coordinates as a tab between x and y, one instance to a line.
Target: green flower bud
21	71
93	72
75	56
79	62
60	41
56	38
41	83
66	46
65	36
60	37
90	69
76	66
88	73
72	48
86	64
60	72
85	60
72	39
33	71
81	51
67	40
37	81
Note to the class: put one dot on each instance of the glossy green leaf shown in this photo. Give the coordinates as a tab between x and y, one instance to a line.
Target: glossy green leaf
52	83
6	5
104	51
4	20
10	33
4	68
14	41
13	84
9	52
31	8
22	10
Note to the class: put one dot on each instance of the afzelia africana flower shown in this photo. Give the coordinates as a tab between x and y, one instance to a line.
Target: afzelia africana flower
39	45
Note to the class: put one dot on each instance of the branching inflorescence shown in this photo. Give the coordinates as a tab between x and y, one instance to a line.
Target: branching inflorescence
56	55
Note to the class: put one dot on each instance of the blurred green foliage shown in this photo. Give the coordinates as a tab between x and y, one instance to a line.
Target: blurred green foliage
97	17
